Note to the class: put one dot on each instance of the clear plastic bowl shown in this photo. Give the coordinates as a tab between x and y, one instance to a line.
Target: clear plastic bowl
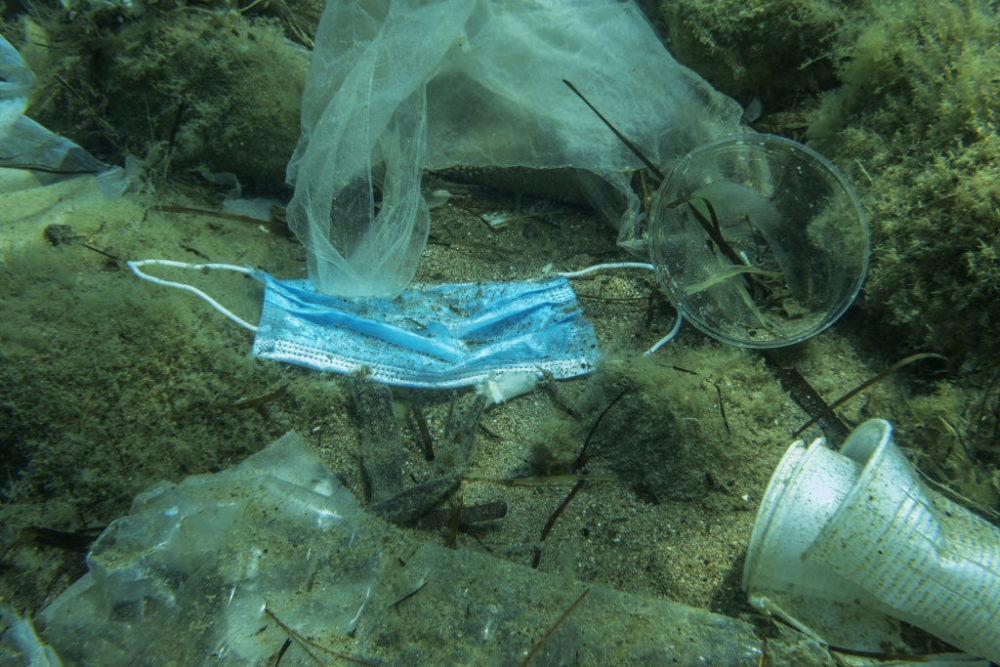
758	240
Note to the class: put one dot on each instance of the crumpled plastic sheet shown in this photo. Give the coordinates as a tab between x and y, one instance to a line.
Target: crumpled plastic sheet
200	560
26	144
397	87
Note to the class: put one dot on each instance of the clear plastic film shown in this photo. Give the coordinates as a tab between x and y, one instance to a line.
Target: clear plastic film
397	88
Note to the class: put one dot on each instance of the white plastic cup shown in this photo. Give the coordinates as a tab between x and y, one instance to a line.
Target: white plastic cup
928	560
859	529
806	489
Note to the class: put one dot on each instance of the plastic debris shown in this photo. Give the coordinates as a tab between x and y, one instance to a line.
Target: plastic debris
843	540
226	568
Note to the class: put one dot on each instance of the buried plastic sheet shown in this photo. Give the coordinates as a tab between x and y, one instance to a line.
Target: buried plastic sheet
203	571
398	87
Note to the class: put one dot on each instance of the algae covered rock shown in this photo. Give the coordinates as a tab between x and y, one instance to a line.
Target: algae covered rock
901	97
766	48
184	89
917	116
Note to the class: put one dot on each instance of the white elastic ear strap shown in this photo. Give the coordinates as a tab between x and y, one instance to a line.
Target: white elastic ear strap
630	265
136	264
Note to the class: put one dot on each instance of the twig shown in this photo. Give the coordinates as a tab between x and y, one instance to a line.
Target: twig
559	510
292	634
534	649
867	383
426	444
552	521
257	402
722	406
581	458
99	251
304	643
621	137
410	594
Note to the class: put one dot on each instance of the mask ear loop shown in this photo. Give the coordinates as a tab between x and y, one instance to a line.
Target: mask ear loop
628	265
136	264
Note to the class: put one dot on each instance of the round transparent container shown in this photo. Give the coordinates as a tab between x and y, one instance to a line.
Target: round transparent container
758	240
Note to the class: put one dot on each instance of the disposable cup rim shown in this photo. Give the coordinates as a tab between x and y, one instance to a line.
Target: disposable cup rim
868	456
769	142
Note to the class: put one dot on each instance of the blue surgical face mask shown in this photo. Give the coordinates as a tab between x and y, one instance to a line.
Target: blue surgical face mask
439	336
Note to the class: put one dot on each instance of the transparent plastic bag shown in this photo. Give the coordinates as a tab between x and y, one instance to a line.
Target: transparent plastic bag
24	144
399	86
